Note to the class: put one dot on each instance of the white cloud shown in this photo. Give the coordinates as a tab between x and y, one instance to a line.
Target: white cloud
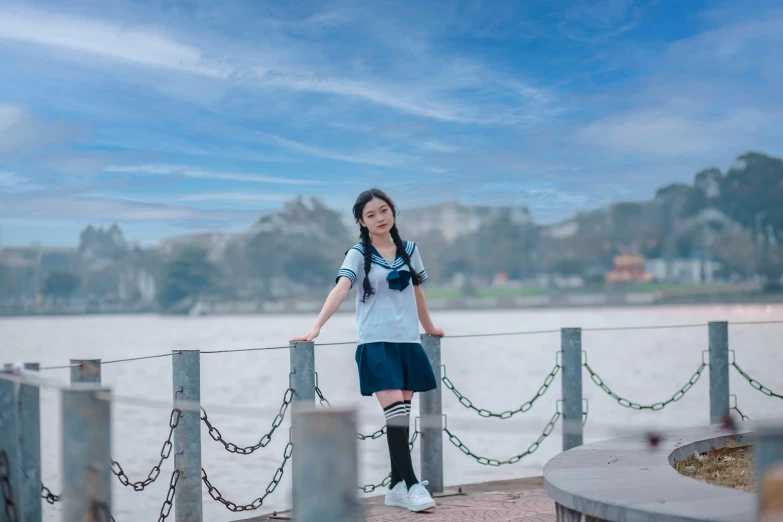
103	208
21	132
236	196
10	115
380	158
439	146
12	182
193	172
669	132
106	39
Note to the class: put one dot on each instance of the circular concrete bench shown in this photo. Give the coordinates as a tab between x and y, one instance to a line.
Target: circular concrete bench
626	479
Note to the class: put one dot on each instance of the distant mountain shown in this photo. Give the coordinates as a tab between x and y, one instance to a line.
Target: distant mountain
735	217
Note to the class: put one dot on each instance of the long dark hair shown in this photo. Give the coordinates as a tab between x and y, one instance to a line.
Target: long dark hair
364	233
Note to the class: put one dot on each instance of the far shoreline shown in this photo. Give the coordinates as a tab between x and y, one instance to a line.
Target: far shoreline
550	302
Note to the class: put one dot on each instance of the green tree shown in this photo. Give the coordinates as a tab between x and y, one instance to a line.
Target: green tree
186	277
61	284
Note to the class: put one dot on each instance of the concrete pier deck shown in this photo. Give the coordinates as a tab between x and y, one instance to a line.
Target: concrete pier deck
518	500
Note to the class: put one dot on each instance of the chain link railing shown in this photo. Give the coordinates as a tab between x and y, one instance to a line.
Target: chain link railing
375	435
550	426
165	452
257	503
165	509
525	407
321	398
48	496
372	436
369	488
744	417
753	382
9	510
636	406
288	397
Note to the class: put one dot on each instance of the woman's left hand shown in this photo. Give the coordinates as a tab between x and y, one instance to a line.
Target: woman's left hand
435	331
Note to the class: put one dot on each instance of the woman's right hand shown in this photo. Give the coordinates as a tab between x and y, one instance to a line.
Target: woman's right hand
312	334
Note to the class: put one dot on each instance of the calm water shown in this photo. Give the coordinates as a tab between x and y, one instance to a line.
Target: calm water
242	391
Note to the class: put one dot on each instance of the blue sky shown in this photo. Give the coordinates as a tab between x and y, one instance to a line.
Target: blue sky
176	116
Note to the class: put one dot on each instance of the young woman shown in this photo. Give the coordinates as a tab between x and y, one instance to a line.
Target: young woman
389	306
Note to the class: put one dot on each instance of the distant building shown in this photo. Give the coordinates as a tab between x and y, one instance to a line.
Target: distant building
629	268
693	271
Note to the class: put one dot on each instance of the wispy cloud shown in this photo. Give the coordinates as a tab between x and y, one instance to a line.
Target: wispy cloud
235	196
12	182
193	172
118	209
104	39
379	158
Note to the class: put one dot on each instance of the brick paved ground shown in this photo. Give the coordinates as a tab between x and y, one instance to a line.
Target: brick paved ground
522	500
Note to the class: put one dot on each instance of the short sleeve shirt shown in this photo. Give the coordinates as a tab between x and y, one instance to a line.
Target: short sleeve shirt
388	315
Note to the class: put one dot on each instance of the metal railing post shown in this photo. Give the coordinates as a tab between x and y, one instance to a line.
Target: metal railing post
719	370
571	379
768	470
431	419
325	469
186	380
30	448
302	381
89	370
86	453
10	467
302	363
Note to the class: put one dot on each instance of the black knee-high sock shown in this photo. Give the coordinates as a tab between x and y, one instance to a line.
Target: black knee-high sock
396	426
395	475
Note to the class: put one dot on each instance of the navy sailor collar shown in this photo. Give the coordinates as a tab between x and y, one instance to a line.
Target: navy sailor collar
379	260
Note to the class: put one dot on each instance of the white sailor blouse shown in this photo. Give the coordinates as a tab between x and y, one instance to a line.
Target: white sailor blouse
390	314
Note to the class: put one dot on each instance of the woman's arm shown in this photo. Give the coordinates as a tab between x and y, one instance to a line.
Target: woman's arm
332	303
424	314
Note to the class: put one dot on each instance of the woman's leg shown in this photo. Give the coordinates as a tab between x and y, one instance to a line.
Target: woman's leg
397	424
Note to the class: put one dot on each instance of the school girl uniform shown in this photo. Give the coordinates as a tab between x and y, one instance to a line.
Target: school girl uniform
389	354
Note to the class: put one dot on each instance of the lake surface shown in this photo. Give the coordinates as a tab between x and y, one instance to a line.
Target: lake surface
241	392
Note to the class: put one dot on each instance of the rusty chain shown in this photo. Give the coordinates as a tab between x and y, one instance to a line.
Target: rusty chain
165	452
265	440
257	503
165	509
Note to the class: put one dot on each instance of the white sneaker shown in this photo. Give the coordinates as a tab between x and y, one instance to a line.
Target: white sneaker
419	499
397	496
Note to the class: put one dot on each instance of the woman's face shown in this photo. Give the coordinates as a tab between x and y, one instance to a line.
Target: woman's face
377	216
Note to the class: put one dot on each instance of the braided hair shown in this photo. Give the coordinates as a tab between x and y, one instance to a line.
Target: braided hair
364	233
395	234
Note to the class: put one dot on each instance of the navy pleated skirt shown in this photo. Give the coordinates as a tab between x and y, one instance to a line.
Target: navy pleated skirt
394	366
